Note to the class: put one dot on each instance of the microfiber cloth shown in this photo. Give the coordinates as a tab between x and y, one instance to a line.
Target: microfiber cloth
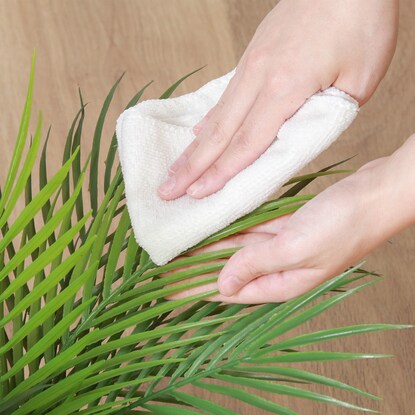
153	134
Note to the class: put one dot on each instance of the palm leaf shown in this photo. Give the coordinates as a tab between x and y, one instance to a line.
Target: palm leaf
94	333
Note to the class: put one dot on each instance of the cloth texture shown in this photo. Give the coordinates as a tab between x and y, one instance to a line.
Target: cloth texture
153	134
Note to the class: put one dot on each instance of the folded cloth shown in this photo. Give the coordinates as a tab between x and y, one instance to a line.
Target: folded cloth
153	133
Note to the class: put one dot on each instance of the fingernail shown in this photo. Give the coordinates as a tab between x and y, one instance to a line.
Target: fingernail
195	188
167	186
228	286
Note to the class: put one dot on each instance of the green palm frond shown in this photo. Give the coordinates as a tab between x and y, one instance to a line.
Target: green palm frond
85	326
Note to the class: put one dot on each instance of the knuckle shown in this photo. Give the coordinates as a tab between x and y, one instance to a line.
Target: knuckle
192	147
247	262
187	167
214	170
218	174
242	141
219	105
217	134
255	59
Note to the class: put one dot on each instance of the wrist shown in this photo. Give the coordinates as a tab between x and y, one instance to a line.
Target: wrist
385	190
380	200
399	174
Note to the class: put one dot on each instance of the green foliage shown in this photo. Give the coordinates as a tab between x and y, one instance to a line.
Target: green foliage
84	323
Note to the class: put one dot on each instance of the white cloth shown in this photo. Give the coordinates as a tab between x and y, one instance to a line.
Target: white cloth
152	134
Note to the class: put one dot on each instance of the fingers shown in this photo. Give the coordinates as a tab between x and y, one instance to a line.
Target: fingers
211	141
278	287
253	137
268	269
235	133
280	253
245	265
237	240
272	288
192	146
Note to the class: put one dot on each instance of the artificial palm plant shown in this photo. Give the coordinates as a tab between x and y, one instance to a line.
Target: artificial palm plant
85	326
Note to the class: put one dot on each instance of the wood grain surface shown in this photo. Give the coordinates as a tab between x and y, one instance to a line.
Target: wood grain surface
91	42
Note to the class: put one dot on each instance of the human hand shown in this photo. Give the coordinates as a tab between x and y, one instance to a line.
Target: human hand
296	51
289	256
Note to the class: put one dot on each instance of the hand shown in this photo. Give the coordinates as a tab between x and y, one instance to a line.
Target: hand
289	256
299	49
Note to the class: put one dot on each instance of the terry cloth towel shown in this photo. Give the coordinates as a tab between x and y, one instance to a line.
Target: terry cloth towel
153	133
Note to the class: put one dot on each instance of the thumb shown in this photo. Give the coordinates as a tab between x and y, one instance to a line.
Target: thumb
252	261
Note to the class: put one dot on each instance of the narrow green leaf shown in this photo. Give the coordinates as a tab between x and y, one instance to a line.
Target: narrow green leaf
309	176
185	262
44	259
278	203
170	279
288	390
167	93
130	257
148	314
76	166
247	397
44	313
37	202
256	347
54	277
41	236
330	334
290	308
20	141
235	333
145	352
195	313
115	250
151	296
96	145
133	368
202	404
43	174
110	408
302	184
55	333
169	410
24	174
302	375
315	356
98	247
68	150
76	403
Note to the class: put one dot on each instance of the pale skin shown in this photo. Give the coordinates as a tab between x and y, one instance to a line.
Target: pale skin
285	257
296	51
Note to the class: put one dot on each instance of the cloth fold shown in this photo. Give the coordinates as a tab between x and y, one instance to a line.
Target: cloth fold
152	135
